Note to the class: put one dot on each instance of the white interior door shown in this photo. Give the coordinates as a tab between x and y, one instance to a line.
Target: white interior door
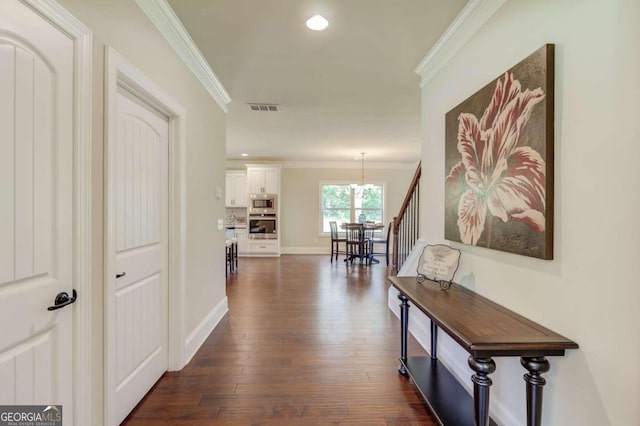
137	301
36	234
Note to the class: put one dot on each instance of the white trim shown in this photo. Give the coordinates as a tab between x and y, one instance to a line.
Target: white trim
169	25
467	23
82	321
197	337
120	73
353	207
263	165
177	237
305	250
372	165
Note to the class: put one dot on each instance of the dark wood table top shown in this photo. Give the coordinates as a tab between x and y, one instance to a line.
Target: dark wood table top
366	225
483	328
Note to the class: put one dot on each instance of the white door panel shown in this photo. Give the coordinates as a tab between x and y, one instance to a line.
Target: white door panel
137	326
36	142
139	295
138	263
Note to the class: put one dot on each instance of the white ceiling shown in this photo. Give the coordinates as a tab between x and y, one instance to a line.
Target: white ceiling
349	89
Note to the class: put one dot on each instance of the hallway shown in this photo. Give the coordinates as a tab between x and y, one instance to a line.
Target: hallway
305	342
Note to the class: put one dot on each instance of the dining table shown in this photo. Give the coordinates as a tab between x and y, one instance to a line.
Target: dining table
368	226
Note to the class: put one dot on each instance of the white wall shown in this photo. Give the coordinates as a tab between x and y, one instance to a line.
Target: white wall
122	25
590	292
300	202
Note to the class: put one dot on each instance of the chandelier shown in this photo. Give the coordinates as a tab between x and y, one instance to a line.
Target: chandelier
360	187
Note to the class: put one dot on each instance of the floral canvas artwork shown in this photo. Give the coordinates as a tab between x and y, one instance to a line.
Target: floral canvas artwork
499	162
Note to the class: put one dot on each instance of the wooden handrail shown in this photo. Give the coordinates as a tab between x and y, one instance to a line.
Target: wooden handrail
407	198
406	221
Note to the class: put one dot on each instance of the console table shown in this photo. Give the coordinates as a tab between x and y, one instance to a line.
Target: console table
485	330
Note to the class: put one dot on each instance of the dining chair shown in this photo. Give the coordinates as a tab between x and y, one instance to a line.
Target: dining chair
357	244
336	239
373	240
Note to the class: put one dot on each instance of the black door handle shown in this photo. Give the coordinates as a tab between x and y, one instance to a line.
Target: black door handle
62	300
121	275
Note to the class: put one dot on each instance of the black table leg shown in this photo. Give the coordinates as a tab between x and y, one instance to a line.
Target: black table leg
235	254
535	366
404	328
481	384
434	340
227	259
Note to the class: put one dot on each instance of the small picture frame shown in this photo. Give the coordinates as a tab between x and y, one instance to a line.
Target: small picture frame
438	263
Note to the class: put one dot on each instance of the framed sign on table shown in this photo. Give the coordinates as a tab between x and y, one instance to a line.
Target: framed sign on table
438	263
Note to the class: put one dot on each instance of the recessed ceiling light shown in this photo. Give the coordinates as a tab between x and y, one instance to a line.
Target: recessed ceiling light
244	154
317	23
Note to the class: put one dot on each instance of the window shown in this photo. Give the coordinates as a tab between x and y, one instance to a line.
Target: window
340	202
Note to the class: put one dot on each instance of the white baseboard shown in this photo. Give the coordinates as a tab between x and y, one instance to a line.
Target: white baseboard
305	250
197	337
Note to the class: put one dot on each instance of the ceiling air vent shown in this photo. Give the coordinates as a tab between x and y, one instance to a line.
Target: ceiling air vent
263	107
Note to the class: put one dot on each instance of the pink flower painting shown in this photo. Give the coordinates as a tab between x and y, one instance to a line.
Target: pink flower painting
496	183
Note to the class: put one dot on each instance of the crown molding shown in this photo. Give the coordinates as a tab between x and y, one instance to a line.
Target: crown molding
470	19
301	164
265	164
169	25
369	165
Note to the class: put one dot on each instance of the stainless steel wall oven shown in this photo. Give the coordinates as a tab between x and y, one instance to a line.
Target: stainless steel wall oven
263	227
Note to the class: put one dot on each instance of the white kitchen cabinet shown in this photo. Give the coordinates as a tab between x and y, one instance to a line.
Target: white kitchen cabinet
241	235
264	247
236	189
263	180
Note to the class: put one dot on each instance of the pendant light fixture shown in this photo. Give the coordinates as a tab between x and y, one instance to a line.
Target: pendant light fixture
359	188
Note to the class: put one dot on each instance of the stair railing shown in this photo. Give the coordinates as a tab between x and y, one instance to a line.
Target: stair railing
406	225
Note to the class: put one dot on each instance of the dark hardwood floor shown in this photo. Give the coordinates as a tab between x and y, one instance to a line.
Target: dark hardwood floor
305	342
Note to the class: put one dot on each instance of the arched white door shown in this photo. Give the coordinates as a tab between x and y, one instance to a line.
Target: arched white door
36	209
137	305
